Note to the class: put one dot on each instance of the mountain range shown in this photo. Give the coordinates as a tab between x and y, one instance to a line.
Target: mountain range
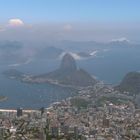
15	52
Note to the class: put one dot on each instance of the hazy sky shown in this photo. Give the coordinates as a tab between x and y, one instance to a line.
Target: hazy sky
99	20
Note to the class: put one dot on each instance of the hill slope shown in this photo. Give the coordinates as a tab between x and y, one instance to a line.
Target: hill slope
130	83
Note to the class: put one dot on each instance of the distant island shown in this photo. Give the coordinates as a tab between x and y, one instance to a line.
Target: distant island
66	75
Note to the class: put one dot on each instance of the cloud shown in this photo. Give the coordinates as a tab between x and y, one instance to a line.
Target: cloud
67	27
15	22
74	55
122	39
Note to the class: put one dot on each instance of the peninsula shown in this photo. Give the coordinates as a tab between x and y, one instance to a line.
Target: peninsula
66	75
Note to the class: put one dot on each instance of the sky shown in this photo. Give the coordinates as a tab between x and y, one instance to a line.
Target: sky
99	20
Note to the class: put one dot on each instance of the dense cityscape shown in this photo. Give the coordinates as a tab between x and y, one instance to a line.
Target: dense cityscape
76	118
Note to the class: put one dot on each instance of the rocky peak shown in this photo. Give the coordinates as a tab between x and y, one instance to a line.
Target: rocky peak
68	63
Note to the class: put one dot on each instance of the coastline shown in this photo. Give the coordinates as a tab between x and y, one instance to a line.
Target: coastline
28	80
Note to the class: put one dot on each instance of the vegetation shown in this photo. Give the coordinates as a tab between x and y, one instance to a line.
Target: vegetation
117	101
80	102
130	83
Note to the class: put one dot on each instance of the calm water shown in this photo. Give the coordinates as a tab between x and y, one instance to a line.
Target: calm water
30	95
109	66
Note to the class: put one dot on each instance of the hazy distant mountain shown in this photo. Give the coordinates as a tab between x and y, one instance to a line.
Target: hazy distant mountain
79	46
10	45
130	83
58	53
87	46
84	54
13	52
120	43
49	53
